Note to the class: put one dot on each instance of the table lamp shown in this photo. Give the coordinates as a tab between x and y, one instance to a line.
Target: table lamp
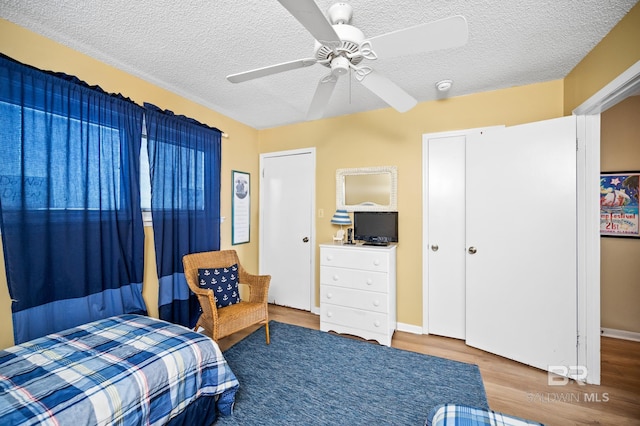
340	217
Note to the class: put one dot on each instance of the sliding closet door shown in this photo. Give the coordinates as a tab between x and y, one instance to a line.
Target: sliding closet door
521	243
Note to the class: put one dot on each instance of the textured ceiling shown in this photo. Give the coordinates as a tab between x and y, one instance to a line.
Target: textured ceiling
189	47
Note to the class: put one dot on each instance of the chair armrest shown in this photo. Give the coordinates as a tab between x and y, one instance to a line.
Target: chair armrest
258	286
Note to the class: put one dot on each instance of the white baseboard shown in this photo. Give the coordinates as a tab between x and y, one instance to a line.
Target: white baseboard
409	328
620	334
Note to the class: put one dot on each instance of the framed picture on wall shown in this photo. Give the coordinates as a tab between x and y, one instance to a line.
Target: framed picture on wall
619	204
241	207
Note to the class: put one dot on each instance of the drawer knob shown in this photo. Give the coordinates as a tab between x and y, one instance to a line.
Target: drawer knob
329	257
376	323
369	281
329	295
329	314
376	262
376	303
336	278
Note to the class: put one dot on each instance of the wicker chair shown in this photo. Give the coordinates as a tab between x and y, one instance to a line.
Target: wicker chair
221	322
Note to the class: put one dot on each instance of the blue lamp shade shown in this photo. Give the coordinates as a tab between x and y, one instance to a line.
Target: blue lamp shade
341	217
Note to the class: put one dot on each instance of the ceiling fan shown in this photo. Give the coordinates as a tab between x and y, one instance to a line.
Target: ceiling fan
342	47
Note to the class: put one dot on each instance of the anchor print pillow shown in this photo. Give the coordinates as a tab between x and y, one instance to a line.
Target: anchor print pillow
223	282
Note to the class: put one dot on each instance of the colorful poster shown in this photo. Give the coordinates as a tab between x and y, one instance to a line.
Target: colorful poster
619	204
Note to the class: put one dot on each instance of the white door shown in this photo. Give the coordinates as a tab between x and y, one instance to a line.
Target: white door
445	210
287	196
521	228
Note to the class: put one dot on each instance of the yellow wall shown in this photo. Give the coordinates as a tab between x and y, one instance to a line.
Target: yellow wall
620	268
613	55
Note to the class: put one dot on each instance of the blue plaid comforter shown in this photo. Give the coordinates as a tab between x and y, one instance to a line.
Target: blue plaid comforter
128	369
466	415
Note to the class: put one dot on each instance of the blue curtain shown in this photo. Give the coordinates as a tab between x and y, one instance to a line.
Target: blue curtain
70	214
184	160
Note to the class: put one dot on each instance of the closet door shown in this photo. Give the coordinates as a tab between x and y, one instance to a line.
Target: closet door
287	193
521	243
446	235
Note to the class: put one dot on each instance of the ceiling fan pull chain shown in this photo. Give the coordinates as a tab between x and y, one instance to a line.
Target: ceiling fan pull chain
350	71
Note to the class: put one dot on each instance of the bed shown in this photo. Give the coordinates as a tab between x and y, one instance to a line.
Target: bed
461	414
127	369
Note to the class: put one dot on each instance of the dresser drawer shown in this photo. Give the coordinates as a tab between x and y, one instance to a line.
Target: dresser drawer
354	278
370	259
356	318
367	300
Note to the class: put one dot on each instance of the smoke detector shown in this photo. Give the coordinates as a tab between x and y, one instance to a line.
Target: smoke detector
444	85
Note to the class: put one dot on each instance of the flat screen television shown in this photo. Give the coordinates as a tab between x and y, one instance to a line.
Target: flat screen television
375	228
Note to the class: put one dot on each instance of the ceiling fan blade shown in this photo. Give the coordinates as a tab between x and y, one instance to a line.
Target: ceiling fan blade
442	34
273	69
321	97
388	91
311	17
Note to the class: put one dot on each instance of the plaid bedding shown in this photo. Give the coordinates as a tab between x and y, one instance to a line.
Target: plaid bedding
128	369
465	415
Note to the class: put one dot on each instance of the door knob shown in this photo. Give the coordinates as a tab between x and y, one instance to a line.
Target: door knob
472	250
305	240
434	247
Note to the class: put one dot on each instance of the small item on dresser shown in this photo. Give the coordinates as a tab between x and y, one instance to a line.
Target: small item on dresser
339	236
350	236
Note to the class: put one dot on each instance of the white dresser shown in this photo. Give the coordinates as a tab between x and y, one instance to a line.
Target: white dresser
358	290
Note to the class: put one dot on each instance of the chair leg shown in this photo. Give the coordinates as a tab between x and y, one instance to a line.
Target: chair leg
266	331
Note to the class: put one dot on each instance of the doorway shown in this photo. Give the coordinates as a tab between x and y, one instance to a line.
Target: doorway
287	228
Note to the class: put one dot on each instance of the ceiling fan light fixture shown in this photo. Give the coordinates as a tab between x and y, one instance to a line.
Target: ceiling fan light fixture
444	85
339	65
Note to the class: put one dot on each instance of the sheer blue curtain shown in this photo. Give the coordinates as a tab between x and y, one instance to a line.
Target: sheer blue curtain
70	214
184	160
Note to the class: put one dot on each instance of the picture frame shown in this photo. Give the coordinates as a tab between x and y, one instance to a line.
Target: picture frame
240	207
619	215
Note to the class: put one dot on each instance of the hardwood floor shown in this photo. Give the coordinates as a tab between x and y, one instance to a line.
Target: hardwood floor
516	389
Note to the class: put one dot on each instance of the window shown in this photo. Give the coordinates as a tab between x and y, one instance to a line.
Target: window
145	177
53	163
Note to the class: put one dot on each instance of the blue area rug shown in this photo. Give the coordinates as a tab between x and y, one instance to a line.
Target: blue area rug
309	377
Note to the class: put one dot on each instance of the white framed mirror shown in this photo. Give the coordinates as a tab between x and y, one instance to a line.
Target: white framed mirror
367	189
